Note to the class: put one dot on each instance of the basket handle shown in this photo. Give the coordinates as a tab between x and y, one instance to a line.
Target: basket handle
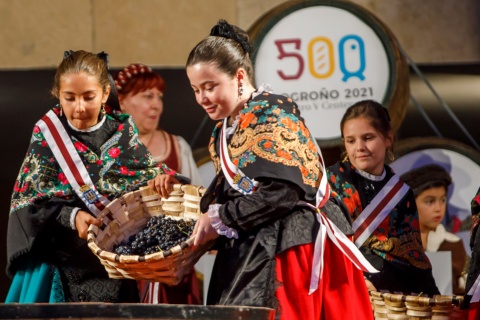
185	188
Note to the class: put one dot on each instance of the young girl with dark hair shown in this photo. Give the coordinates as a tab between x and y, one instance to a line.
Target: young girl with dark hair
381	207
269	202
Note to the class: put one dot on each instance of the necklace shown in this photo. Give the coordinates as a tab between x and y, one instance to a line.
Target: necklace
147	143
159	146
163	144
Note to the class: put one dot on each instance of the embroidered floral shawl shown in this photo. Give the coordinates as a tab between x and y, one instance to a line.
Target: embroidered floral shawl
397	238
121	165
272	141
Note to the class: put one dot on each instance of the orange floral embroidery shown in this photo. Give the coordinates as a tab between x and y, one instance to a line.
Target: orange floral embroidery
290	124
246	119
284	154
381	237
304	171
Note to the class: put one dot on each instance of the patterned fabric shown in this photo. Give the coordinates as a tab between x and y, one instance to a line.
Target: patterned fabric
56	294
272	141
119	166
42	201
271	145
474	267
395	246
475	209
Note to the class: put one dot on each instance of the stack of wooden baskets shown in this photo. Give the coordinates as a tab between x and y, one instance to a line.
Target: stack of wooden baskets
404	307
128	215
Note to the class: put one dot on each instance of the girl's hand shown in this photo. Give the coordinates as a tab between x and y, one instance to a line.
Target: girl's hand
83	220
370	285
162	184
203	231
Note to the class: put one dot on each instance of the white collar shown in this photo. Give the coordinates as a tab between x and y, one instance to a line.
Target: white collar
264	87
230	130
91	129
438	236
370	176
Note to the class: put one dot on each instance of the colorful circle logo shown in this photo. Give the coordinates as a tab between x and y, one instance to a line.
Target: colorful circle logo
324	57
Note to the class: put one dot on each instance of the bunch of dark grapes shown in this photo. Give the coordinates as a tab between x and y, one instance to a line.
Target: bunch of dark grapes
160	234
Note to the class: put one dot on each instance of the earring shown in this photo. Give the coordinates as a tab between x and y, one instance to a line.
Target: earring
345	156
61	111
102	110
240	90
390	155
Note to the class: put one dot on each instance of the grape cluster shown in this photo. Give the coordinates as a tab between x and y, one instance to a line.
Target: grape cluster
160	234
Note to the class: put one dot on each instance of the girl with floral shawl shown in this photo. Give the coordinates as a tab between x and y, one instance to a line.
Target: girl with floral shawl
48	256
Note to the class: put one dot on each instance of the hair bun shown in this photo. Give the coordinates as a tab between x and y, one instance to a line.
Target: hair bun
226	30
104	56
222	29
67	54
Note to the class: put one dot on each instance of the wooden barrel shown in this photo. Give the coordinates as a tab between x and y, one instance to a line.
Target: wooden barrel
307	51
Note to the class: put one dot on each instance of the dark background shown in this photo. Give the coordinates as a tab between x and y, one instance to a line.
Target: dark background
25	97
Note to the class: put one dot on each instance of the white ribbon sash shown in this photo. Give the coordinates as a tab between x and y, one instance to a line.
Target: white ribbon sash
343	243
234	176
70	162
475	291
378	209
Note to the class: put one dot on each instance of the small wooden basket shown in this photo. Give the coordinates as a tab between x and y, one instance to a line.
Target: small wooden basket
129	214
404	307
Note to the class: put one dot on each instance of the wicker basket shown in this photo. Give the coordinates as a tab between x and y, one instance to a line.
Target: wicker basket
128	215
404	307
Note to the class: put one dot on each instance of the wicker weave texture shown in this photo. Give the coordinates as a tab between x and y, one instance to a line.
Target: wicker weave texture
405	307
128	215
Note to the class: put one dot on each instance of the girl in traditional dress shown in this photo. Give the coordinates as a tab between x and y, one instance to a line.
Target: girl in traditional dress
275	247
380	205
81	156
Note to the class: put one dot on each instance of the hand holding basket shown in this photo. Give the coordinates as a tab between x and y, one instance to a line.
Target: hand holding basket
129	214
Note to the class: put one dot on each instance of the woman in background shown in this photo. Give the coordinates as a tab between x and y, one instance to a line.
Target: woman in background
140	92
430	187
381	207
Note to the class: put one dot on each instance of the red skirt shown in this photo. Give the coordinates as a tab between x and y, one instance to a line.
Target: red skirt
473	311
341	294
